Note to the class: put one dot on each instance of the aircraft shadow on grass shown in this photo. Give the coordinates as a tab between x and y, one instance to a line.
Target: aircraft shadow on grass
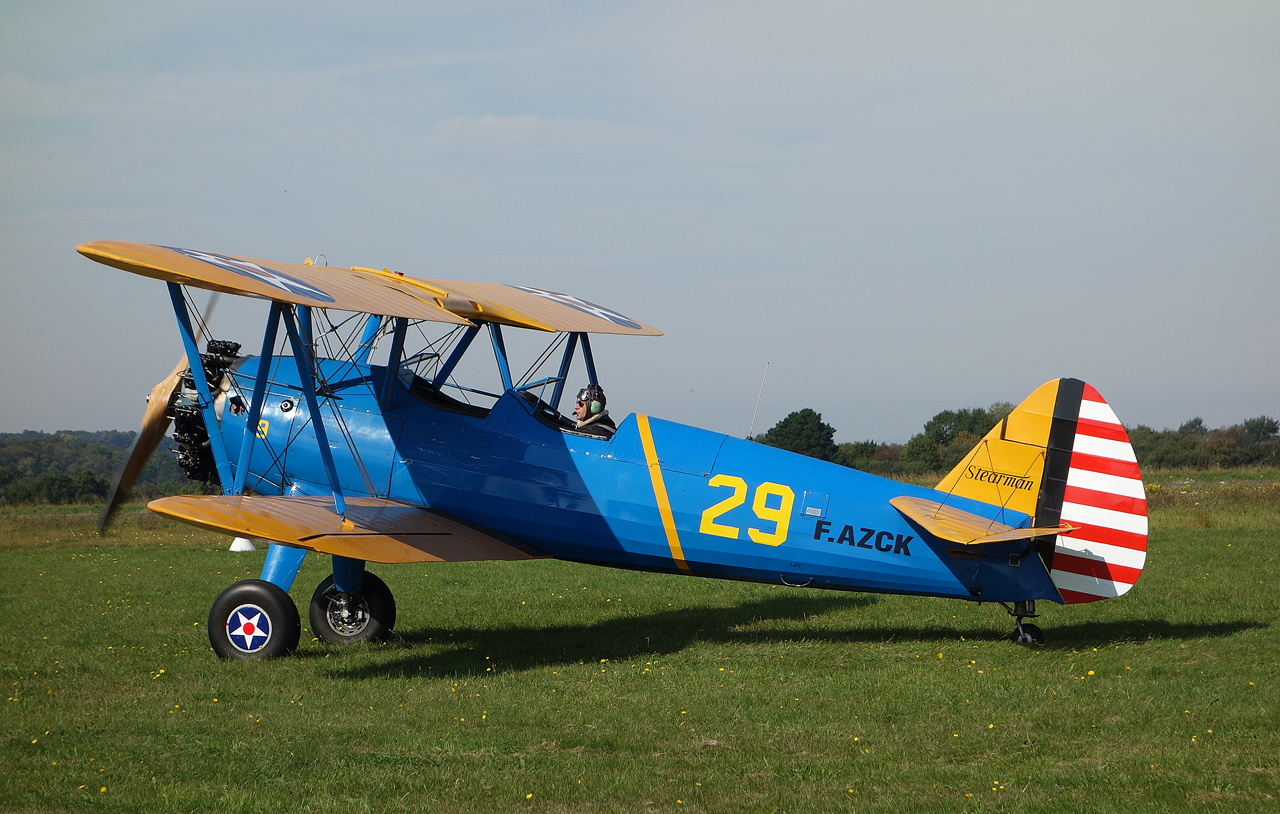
1137	631
471	651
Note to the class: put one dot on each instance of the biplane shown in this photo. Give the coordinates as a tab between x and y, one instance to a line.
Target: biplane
325	451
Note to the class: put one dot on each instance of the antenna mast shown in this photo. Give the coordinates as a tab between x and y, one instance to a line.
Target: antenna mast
758	395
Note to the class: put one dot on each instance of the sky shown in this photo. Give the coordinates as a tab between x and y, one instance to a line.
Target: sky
900	207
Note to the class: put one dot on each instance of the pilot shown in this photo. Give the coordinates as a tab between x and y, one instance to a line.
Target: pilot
593	418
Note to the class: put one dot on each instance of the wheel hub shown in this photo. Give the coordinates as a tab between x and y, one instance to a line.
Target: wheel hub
347	614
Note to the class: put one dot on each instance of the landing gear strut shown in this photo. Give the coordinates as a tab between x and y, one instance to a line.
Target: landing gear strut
1025	633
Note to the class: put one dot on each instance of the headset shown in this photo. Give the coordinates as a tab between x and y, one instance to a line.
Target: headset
593	396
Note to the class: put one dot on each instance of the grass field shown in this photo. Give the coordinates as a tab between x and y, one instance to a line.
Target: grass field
549	687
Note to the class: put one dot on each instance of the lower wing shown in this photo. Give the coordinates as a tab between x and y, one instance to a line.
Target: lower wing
374	529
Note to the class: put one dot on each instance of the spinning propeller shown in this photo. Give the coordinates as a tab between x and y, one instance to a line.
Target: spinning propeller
155	423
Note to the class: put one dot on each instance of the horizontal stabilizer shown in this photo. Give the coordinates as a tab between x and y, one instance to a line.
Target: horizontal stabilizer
374	529
958	526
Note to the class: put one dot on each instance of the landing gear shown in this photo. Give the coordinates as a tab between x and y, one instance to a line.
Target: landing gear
253	619
339	617
1025	633
1028	634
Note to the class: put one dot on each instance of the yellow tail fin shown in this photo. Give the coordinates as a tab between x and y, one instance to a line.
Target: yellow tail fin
1009	466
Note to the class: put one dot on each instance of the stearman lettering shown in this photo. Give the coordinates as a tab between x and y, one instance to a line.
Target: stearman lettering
982	475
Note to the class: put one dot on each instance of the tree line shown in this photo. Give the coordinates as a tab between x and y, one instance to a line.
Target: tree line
950	435
75	466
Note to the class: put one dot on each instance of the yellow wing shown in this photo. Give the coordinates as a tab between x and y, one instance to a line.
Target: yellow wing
368	290
376	530
315	286
535	308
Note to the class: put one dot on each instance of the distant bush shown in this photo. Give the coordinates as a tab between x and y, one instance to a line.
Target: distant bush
77	466
55	487
804	432
1194	446
951	434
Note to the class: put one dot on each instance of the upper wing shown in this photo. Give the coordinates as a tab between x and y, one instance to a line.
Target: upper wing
959	526
535	308
375	529
366	291
371	291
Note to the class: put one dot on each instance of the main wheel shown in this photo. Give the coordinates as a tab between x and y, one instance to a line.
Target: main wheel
346	618
253	619
1028	634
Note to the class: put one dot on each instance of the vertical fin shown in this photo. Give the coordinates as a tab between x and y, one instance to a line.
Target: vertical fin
1007	467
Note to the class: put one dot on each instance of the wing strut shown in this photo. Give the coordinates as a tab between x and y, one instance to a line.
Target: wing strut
201	383
589	359
500	353
306	378
565	361
371	327
257	398
393	361
461	348
282	563
306	326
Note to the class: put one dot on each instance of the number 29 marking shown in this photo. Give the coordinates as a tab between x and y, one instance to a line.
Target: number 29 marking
779	515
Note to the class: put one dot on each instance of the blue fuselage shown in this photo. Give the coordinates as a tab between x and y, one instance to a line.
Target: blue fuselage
710	505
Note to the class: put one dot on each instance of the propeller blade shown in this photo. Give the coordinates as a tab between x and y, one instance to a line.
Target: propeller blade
154	425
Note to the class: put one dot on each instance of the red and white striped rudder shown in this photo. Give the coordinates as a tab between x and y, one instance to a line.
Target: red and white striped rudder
1105	501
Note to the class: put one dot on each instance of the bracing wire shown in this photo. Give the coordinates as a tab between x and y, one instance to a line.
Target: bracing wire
326	393
346	355
983	446
275	456
542	359
201	326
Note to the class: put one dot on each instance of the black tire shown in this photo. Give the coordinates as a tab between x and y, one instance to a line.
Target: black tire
1031	634
369	616
254	619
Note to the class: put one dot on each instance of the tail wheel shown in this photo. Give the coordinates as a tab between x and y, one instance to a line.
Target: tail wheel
253	619
339	617
1028	633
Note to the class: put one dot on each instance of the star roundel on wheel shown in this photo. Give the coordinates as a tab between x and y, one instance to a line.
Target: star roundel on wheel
249	628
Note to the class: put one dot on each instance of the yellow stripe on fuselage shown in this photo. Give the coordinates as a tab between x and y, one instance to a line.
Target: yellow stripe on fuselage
660	493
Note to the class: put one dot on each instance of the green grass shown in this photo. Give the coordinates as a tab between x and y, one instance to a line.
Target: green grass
599	690
1246	473
1232	505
